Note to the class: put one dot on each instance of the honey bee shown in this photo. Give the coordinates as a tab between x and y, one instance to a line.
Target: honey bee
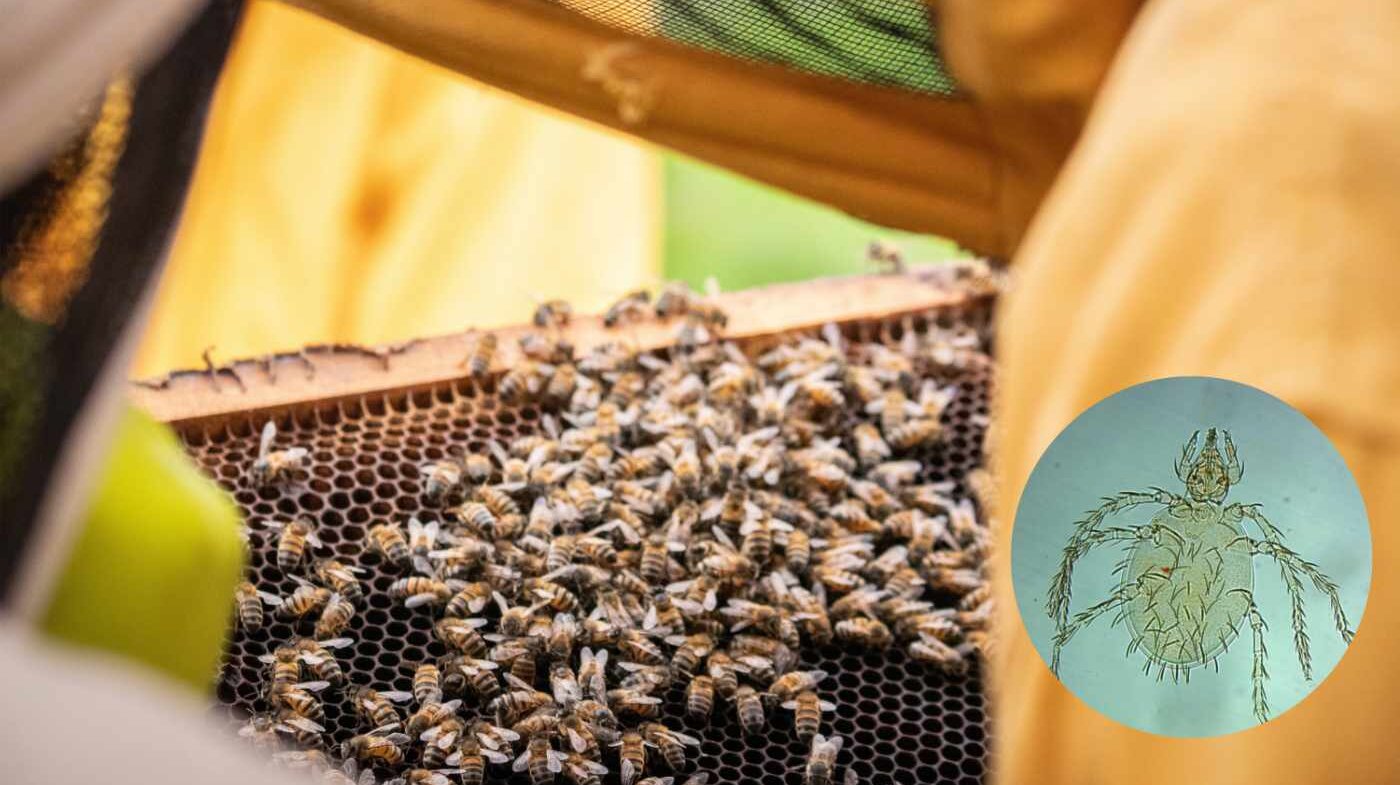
520	701
249	601
498	501
493	737
417	590
564	685
461	635
335	617
553	314
299	700
285	662
541	760
340	577
700	698
790	684
427	684
260	730
387	540
483	355
524	381
469	599
634	702
320	660
807	711
306	599
592	673
579	770
378	707
630	307
430	715
479	674
932	651
663	617
422	777
638	647
720	667
748	705
632	756
671	743
441	478
821	762
914	433
375	749
871	633
746	613
562	382
292	543
274	466
470	759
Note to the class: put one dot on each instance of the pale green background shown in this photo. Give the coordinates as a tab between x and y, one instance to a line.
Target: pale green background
1129	441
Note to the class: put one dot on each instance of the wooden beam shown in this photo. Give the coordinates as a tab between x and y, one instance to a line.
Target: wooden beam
185	398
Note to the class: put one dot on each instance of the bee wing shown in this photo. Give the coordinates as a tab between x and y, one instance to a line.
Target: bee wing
789	705
629	771
703	778
336	643
521	762
313	686
396	696
851	777
269	432
311	659
270	599
649	622
446	740
685	739
578	742
302	723
555	761
415	527
517	683
419	600
398	739
827	706
296	453
366	778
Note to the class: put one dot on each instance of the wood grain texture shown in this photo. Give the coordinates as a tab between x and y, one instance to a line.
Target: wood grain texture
342	374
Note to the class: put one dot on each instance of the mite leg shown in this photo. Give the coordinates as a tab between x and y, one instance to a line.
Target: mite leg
1236	511
1290	561
1234	470
1083	539
1188	457
1261	653
1121	597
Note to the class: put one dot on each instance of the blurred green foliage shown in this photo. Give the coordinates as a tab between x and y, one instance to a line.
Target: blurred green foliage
748	234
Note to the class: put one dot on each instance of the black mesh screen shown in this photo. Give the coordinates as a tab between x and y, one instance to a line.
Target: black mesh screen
885	42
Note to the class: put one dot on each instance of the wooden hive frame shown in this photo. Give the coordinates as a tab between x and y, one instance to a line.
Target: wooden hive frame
327	375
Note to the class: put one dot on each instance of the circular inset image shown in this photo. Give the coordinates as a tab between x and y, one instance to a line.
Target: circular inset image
1191	557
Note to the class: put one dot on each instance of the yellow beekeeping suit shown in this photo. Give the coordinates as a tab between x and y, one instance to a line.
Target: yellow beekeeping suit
1229	210
346	192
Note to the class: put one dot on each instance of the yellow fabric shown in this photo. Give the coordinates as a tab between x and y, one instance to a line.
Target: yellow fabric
897	157
1230	210
347	192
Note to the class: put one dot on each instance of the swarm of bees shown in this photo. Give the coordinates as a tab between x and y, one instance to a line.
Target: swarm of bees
697	519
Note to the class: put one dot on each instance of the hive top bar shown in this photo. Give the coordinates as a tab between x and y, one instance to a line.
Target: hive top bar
328	373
